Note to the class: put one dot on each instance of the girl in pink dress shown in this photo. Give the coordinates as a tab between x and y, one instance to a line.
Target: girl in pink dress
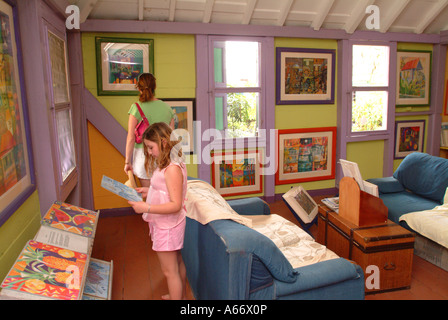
164	208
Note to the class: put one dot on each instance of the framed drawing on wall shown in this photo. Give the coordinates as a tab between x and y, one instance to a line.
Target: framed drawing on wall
237	172
17	181
409	137
183	121
413	78
306	155
120	61
305	76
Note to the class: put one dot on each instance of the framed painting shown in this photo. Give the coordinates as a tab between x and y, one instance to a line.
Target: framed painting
409	137
17	181
120	62
237	173
445	105
413	78
306	155
305	76
183	121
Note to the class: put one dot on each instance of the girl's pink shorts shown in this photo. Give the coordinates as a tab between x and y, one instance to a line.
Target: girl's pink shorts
167	239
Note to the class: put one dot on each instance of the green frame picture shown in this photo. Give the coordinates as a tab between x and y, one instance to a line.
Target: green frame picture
119	63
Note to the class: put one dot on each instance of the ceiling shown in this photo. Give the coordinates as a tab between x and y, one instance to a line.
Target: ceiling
409	16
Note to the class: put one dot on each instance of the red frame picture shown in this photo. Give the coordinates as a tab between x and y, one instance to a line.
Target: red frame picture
305	155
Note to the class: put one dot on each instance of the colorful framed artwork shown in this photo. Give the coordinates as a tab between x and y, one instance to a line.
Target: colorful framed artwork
409	137
183	121
17	180
445	105
413	78
237	172
306	155
120	62
305	76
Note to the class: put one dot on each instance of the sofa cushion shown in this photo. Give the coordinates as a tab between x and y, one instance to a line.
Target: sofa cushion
424	175
387	184
400	203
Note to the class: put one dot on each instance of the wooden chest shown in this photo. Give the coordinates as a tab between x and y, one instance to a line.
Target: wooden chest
383	251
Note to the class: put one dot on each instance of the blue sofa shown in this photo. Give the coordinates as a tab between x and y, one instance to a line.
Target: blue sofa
230	261
419	183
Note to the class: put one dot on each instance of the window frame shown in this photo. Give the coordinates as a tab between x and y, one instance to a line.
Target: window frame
377	134
221	90
64	185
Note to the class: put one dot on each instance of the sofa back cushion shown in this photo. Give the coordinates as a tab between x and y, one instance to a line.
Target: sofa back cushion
424	175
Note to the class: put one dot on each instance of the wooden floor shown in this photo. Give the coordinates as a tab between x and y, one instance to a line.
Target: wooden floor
137	274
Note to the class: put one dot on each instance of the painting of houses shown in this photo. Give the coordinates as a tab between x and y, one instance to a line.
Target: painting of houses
413	78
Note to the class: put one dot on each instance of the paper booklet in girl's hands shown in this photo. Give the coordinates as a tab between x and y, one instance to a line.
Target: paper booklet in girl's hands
120	189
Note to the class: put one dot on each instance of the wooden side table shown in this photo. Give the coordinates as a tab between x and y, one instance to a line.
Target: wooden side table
383	250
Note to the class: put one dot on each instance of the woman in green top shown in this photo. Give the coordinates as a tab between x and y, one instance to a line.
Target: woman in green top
155	111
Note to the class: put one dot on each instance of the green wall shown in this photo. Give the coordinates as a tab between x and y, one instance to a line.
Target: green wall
174	69
17	230
307	116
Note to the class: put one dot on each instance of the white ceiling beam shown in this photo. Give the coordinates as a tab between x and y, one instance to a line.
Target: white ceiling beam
432	14
393	13
357	15
141	9
284	11
208	11
322	14
172	10
85	7
249	11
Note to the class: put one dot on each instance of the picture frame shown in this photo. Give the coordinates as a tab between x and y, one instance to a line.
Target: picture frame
17	179
305	76
237	173
301	204
409	137
119	63
183	122
413	78
305	155
445	105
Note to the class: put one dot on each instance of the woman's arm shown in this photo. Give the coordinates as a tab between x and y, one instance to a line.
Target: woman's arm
130	141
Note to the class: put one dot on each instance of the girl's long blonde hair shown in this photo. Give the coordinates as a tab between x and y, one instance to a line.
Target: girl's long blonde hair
161	134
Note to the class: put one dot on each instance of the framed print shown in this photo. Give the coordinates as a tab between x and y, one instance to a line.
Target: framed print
119	63
305	76
306	155
237	172
445	105
183	121
413	78
17	181
409	137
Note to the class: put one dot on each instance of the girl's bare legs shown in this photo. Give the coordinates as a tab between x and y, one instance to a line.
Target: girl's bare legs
174	270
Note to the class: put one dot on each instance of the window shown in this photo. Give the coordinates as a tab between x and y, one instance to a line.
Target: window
237	87
370	81
61	111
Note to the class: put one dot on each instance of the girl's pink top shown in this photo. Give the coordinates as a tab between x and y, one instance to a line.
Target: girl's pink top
158	194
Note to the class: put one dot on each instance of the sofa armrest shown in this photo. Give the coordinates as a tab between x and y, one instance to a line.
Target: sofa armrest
387	184
320	275
250	206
